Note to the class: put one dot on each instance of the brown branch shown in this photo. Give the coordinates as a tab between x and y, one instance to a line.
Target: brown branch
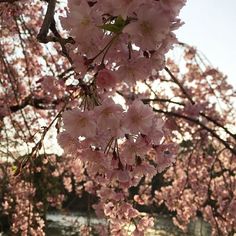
38	103
8	1
48	19
192	102
194	120
197	122
50	24
147	100
180	85
218	124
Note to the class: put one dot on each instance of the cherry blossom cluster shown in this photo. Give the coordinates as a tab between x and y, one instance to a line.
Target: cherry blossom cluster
118	148
202	181
201	189
129	38
117	44
25	203
24	214
117	142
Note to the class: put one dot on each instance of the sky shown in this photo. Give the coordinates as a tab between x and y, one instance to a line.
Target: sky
210	25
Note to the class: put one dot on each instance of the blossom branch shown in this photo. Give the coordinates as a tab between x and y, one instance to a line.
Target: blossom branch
36	103
147	100
196	121
180	85
14	86
192	102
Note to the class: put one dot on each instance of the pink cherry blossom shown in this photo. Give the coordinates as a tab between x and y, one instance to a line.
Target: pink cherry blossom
155	133
151	27
106	79
67	142
79	63
173	6
82	20
79	123
135	69
165	155
132	148
138	118
108	117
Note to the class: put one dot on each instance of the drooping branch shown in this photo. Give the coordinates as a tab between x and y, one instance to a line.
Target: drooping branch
218	124
188	118
198	122
180	85
176	81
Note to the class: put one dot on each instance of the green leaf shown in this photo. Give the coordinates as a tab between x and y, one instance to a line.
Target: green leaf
120	22
110	27
115	27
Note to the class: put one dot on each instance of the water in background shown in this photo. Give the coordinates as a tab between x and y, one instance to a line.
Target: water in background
68	225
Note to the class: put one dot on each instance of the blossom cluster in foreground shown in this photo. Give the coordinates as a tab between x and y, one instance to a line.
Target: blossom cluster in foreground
117	44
